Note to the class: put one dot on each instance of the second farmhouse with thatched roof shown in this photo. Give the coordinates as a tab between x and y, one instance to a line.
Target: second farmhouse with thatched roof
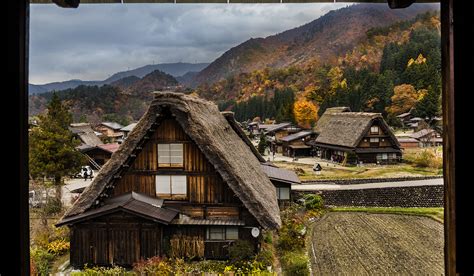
345	136
182	184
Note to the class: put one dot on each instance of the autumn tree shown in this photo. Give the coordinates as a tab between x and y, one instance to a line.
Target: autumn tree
306	113
403	99
52	152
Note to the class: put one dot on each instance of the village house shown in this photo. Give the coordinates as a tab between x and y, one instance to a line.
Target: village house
278	131
85	133
111	131
182	184
281	178
126	129
98	155
295	145
345	136
428	138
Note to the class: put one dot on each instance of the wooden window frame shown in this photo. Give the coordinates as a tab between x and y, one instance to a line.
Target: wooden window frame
375	132
170	164
171	194
458	236
223	230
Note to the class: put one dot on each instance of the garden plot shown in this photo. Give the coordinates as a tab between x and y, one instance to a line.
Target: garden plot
364	243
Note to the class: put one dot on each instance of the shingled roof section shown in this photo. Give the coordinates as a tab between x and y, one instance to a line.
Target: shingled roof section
217	140
348	128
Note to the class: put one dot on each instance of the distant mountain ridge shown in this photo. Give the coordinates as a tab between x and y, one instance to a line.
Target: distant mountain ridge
323	39
173	69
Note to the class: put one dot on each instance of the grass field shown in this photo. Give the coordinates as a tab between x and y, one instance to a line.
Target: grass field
369	171
435	213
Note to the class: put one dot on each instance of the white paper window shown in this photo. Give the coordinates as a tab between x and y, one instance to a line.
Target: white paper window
170	155
232	233
171	184
222	233
283	193
163	184
374	129
384	156
216	233
374	140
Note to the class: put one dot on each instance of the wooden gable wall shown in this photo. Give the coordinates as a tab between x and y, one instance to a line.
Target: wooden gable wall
204	184
382	134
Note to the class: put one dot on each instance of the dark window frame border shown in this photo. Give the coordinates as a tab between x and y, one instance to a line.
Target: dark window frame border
456	25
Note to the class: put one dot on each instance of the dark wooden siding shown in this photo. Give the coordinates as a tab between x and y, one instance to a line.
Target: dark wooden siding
116	239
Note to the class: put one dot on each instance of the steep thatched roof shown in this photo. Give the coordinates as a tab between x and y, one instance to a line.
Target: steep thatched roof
273	172
204	124
229	116
85	133
346	129
326	117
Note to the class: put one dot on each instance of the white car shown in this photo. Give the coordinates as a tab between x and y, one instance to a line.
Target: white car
85	170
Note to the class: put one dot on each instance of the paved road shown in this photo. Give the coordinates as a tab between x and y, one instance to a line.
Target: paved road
71	185
332	186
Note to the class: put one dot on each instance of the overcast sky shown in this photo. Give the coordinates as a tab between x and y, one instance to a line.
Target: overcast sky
93	42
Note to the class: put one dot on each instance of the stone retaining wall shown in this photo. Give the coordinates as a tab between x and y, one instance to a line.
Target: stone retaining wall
415	196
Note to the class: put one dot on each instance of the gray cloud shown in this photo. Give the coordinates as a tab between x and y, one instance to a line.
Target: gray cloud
95	41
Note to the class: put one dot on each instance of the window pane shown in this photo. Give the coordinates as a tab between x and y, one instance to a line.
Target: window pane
178	184
176	160
163	153
232	233
216	233
374	140
284	193
277	192
163	184
176	147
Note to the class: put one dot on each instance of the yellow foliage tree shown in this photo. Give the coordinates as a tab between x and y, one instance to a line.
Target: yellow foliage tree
403	99
306	113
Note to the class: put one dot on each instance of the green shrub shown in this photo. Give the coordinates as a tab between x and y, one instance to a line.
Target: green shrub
154	265
313	202
241	250
265	256
99	270
268	238
53	206
295	263
428	159
41	259
58	247
207	266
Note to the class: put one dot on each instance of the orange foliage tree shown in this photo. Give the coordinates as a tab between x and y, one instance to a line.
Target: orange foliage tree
306	113
403	99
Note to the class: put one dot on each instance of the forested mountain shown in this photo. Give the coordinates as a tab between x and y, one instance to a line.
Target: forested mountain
392	69
322	40
123	101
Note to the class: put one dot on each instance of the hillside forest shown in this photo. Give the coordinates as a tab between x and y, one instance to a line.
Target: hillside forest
396	69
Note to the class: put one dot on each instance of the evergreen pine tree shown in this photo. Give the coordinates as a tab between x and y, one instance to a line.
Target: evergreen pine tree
52	152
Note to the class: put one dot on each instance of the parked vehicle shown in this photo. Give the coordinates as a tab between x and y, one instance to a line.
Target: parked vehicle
85	170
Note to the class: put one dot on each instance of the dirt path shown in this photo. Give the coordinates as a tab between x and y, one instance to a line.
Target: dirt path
363	244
